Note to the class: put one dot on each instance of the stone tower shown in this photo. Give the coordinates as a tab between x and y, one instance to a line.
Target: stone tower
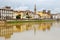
35	9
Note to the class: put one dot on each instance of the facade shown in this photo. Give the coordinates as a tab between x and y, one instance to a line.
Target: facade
24	14
6	13
44	15
56	16
21	13
31	15
35	16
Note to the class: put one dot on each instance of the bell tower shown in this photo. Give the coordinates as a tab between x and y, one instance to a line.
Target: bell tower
35	9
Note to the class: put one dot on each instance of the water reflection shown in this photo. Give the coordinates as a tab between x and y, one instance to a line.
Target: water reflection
7	30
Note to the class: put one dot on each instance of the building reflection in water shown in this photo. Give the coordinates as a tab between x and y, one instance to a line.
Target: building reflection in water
8	29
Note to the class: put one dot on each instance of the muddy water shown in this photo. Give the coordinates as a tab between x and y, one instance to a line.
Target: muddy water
30	31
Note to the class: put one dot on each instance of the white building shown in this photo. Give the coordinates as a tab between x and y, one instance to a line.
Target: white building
56	16
6	13
32	15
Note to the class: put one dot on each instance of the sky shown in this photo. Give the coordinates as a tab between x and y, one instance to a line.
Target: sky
52	5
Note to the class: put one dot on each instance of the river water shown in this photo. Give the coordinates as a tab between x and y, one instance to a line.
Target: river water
30	31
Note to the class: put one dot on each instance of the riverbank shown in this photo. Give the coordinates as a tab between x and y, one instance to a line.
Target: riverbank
24	21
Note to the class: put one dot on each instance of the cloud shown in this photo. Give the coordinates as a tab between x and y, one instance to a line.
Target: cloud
22	8
29	4
56	10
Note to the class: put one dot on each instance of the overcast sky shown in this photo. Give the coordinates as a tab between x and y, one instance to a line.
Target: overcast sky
53	5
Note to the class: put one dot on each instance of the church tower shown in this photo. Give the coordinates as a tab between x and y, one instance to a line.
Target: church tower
35	9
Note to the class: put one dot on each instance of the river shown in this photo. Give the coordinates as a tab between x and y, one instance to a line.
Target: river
30	31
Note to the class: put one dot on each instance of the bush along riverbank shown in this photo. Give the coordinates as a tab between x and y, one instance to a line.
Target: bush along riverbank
24	21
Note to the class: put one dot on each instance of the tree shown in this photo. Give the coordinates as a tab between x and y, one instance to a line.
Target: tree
18	17
27	15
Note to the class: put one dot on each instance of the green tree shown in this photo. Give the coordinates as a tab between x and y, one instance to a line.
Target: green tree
27	15
18	17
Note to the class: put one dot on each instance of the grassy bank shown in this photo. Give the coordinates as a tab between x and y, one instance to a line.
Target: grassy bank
24	21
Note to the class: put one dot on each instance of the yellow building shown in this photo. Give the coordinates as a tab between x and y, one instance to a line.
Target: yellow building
19	13
44	15
23	14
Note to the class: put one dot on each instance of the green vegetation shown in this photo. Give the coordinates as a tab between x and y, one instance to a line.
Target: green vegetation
24	21
18	16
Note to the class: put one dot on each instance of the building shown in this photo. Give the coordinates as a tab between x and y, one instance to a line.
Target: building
56	16
23	14
27	14
6	13
32	15
44	15
18	14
